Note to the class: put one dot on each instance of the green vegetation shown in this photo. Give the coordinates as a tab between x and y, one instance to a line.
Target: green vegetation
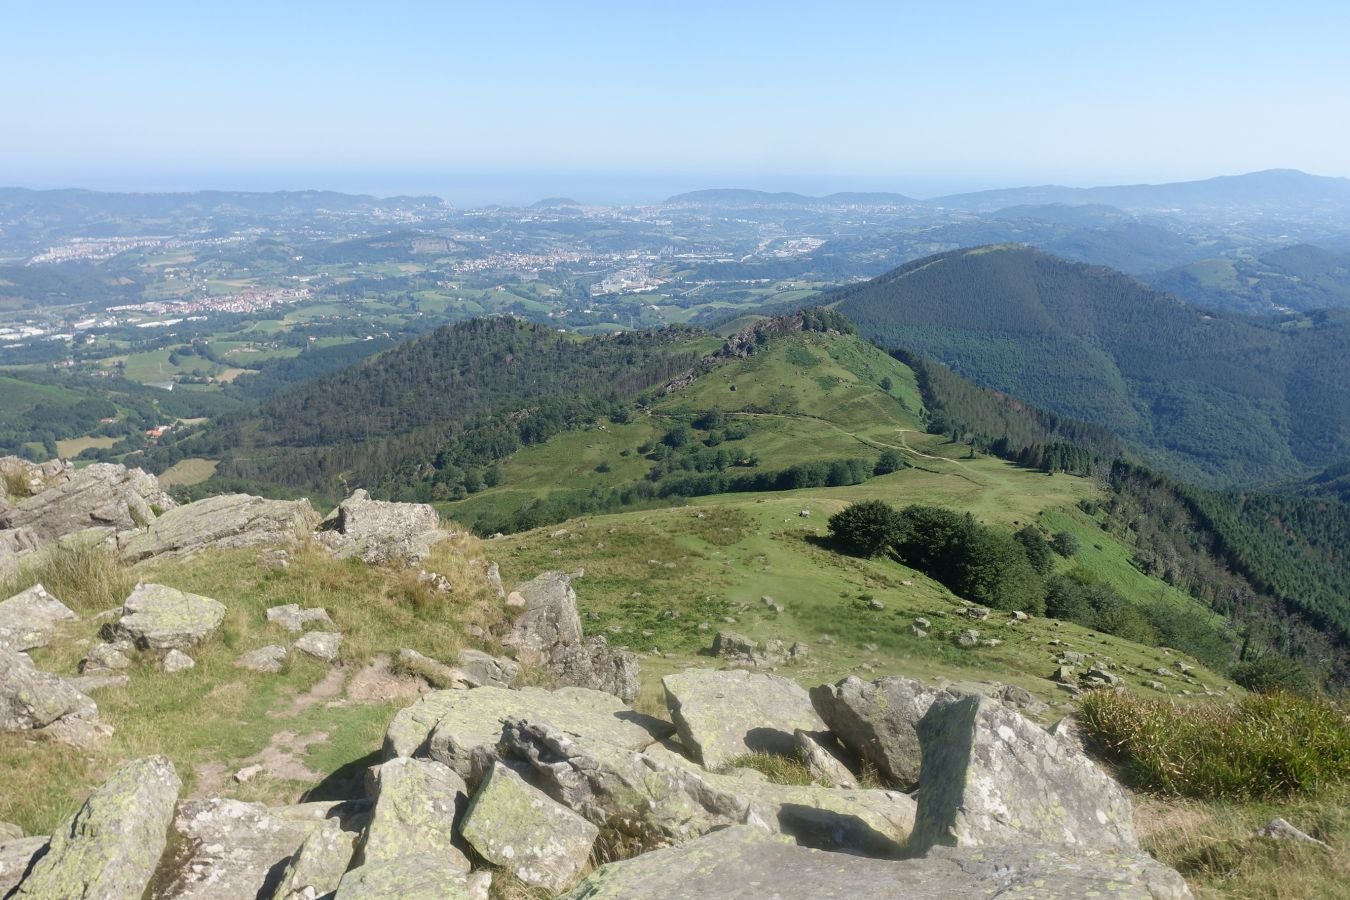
1264	745
777	768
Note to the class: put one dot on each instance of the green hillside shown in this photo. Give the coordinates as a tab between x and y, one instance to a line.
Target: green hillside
1211	397
1300	278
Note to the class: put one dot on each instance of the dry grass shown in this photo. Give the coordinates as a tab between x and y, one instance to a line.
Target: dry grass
87	577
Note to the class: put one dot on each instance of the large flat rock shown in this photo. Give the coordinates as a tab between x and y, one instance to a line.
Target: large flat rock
100	495
158	617
449	725
111	847
30	618
745	863
993	778
226	522
420	877
721	715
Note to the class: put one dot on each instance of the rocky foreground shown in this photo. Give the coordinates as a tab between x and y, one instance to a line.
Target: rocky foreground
912	791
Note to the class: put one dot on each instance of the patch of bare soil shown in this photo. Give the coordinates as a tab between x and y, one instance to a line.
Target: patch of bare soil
377	682
326	692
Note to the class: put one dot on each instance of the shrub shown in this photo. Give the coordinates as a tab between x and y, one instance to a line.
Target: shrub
1273	673
889	461
1065	544
864	529
1266	745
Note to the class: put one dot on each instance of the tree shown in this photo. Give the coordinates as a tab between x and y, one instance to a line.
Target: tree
889	461
1038	550
886	383
1065	544
864	529
677	437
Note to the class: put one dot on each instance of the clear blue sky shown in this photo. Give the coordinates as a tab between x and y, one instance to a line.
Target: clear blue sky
918	96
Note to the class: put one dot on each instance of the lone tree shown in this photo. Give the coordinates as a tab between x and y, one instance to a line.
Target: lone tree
865	528
1065	544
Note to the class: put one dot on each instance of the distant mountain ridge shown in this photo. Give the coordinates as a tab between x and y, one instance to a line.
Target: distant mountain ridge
1300	277
745	197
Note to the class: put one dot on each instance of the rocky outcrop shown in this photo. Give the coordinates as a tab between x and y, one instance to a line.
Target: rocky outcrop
547	634
484	670
20	478
380	532
225	522
723	715
32	699
422	877
521	829
317	867
30	618
15	544
876	721
111	847
994	778
102	494
418	804
235	849
745	863
157	617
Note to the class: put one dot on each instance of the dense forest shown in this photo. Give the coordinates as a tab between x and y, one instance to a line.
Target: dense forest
1213	398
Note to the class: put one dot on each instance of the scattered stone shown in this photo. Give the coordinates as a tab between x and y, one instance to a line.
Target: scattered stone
1279	830
1183	668
1019	616
521	829
322	645
1099	677
977	612
805	514
418	803
87	683
380	532
103	658
29	619
293	618
923	623
734	647
156	617
1156	685
745	863
823	757
968	639
268	660
111	847
1073	658
876	720
798	651
223	522
723	715
1064	675
99	495
493	576
875	604
917	631
177	661
247	774
1021	698
406	878
993	778
439	583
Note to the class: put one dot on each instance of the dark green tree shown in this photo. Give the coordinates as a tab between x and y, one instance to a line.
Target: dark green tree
865	528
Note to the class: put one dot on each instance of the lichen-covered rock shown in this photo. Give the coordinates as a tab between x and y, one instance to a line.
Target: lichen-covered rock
18	854
734	647
103	494
104	658
176	661
30	618
435	673
596	665
482	669
268	660
294	618
520	828
322	645
418	803
15	544
223	522
744	863
10	832
237	849
317	867
876	720
449	725
157	617
111	847
98	682
380	532
422	877
31	698
993	778
549	619
723	715
824	758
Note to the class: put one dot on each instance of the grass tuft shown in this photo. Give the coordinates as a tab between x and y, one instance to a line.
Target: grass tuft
87	577
779	769
1265	745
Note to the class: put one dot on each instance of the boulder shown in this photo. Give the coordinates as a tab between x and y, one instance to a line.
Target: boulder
418	803
317	867
225	522
32	699
268	660
596	665
450	725
157	617
294	618
493	576
823	758
1278	829
422	877
723	715
104	658
177	661
103	494
876	721
111	846
482	669
734	647
15	544
379	532
30	618
994	778
521	829
745	863
235	849
17	857
322	645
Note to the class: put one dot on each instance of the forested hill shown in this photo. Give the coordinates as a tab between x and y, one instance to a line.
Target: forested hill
1216	398
486	385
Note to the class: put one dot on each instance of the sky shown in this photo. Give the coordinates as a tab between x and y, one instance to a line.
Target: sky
633	100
